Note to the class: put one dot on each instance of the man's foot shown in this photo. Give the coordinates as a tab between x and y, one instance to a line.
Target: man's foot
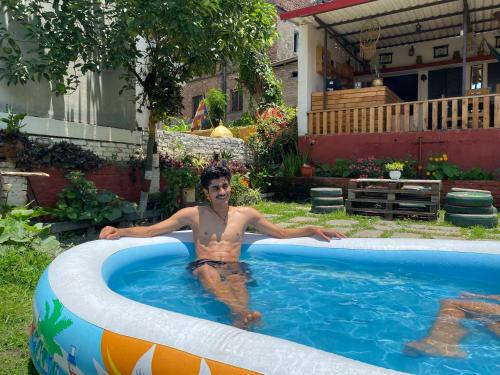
244	320
432	348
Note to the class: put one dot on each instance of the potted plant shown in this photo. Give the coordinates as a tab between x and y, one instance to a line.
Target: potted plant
395	169
11	135
189	180
307	169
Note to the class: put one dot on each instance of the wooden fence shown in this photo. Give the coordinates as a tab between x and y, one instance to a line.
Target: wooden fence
467	112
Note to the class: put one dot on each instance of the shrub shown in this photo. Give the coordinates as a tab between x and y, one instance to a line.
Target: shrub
18	233
438	168
176	124
259	179
216	102
63	154
275	136
291	164
81	200
367	168
241	193
246	119
476	174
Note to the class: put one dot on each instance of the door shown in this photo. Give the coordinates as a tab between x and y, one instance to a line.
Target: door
445	83
406	87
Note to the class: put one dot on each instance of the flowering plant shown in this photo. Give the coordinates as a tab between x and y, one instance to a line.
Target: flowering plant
438	168
395	166
275	136
366	168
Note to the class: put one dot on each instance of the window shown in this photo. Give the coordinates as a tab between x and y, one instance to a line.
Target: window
236	100
196	102
295	41
476	76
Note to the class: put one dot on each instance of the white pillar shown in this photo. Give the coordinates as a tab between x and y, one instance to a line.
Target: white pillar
307	74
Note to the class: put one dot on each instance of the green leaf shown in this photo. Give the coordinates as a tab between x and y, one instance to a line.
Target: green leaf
105	196
113	214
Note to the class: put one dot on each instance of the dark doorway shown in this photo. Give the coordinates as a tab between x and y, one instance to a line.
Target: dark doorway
445	83
406	87
493	76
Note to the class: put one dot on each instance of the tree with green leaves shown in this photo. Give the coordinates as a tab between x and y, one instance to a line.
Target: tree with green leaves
157	44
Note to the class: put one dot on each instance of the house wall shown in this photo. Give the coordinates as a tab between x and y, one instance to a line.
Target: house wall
400	58
465	148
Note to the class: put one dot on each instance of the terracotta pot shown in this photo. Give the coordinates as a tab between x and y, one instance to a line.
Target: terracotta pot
306	170
10	150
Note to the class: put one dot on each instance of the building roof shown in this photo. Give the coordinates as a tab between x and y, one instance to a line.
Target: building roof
402	21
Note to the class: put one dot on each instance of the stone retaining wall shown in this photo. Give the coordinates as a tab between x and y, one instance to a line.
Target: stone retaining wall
17	194
113	151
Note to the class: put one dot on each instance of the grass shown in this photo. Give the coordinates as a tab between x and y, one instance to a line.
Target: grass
19	273
282	213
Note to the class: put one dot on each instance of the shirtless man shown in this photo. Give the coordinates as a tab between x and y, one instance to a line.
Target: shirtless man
218	231
446	333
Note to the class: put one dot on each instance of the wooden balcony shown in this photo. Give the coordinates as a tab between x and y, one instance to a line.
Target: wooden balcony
458	113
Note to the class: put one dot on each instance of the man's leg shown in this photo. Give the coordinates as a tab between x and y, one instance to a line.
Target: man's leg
211	281
238	285
445	335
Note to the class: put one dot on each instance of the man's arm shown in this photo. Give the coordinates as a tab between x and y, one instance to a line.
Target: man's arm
178	220
264	226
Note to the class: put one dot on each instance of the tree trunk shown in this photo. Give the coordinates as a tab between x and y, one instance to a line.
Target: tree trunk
148	173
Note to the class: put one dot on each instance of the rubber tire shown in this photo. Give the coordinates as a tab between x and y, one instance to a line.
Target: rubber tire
326	209
470	210
326	192
464	220
469	199
327	201
457	189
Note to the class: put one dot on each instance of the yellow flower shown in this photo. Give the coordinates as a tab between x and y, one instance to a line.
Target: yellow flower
440	159
433	173
445	157
428	173
430	158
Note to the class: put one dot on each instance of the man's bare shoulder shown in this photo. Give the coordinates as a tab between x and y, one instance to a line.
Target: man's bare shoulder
189	211
246	211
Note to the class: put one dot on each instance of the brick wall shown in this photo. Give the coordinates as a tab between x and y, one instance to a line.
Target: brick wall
290	83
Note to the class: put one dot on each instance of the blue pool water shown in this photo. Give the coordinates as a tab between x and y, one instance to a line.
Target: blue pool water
365	308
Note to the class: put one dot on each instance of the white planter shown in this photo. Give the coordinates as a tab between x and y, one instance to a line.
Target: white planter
189	195
395	175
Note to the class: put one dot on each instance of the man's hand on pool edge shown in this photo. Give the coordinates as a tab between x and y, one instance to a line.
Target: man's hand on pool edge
109	233
328	234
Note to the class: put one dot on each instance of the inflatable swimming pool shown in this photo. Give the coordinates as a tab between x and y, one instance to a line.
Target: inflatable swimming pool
82	327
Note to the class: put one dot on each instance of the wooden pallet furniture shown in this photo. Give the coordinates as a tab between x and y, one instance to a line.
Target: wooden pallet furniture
394	198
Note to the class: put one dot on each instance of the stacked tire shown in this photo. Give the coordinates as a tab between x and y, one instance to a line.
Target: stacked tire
325	200
468	207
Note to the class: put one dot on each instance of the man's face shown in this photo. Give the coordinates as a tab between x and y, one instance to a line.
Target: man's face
218	191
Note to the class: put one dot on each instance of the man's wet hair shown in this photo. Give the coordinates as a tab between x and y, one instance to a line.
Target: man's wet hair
214	171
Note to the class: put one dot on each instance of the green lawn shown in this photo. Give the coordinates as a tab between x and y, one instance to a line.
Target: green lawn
280	212
19	273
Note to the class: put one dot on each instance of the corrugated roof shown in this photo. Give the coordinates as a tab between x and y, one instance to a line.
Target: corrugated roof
399	18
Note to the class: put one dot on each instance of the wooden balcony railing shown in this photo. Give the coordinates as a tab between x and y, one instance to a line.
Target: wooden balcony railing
467	112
